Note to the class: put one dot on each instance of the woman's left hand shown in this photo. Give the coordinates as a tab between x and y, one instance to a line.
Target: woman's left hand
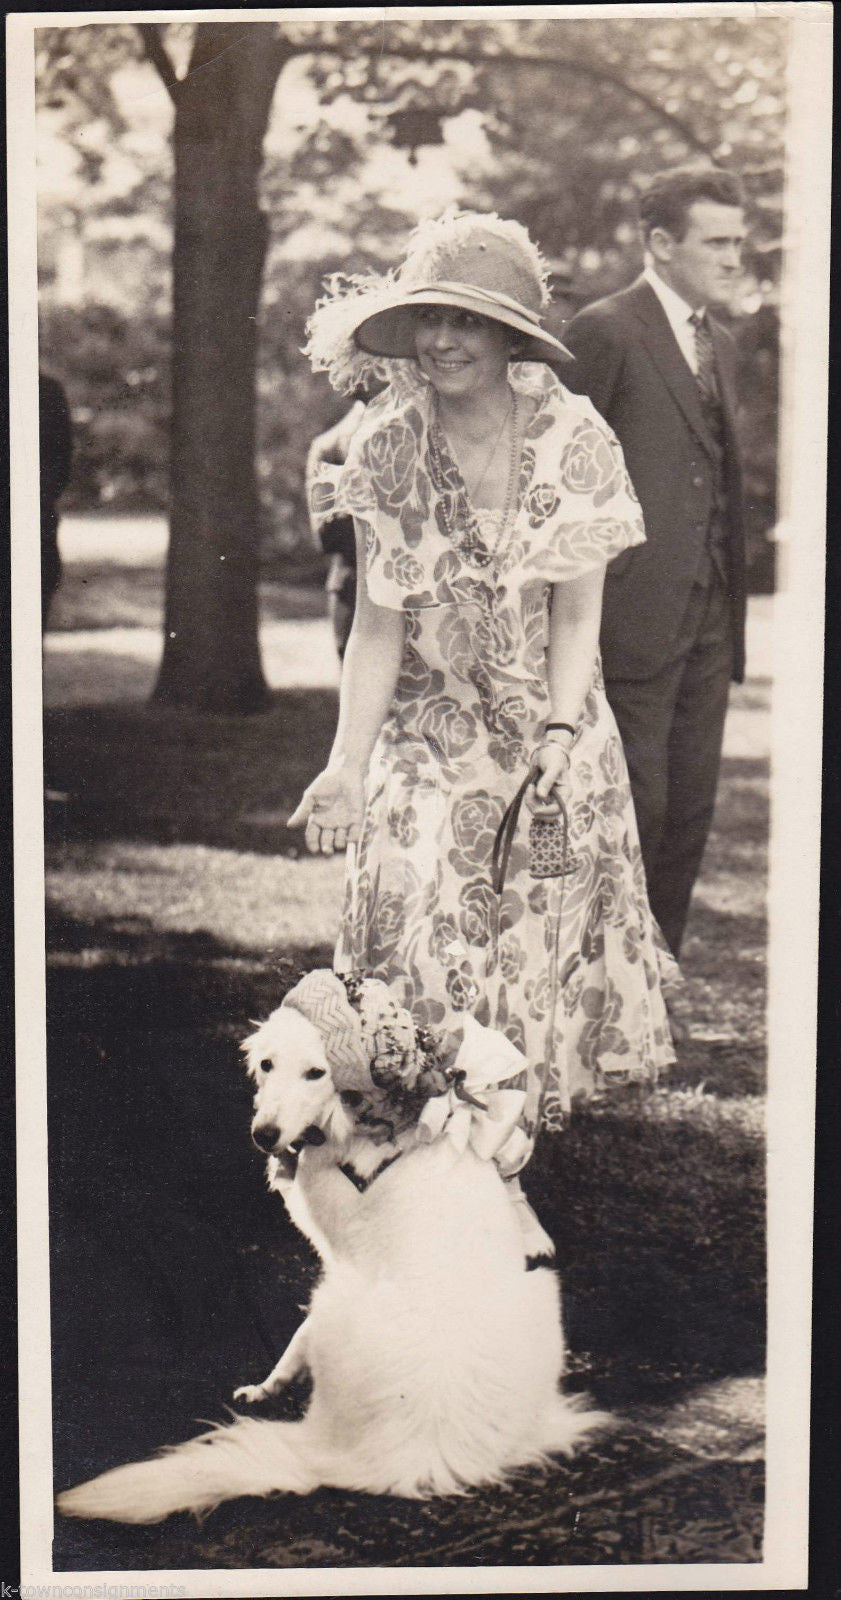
550	767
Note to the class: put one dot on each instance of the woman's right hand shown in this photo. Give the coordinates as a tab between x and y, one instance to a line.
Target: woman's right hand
331	808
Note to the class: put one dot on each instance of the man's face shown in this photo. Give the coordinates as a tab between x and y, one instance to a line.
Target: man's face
704	265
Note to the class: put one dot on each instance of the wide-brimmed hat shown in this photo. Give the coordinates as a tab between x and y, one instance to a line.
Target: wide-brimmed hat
491	275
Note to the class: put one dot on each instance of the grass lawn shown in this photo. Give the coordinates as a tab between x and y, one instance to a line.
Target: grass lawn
179	909
114	576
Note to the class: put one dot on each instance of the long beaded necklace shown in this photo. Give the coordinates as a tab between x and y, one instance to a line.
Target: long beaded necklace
509	411
464	531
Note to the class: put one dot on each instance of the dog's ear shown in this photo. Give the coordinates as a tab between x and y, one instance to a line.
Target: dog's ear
250	1049
336	1122
254	1048
251	1043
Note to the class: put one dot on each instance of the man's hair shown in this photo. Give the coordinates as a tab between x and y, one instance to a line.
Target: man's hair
669	195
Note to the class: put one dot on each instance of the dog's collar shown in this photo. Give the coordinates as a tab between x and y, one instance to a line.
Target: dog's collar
357	1179
311	1135
314	1135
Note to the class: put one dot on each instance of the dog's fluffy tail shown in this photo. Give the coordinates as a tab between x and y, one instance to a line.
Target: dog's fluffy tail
252	1456
569	1423
256	1457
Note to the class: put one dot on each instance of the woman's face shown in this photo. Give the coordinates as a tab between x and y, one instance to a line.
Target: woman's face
461	354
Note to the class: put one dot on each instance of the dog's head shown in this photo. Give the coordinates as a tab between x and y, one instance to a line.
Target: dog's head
295	1100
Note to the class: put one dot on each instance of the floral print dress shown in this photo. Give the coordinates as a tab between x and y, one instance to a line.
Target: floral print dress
569	969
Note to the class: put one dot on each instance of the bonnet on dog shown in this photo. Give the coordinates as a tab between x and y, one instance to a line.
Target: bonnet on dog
370	1041
398	1073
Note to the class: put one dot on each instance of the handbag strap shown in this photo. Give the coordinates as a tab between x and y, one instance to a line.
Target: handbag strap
504	839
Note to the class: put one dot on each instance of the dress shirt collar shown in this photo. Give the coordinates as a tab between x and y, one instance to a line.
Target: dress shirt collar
676	308
679	317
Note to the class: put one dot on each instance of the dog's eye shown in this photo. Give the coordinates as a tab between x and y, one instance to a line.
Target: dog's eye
267	1065
315	1072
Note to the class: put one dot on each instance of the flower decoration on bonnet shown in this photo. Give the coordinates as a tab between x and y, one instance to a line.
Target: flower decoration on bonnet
379	1060
396	1075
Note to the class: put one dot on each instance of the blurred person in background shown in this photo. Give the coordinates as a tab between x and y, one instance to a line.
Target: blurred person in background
56	455
334	536
661	370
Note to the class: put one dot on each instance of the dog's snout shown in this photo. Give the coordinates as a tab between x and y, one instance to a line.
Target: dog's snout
266	1137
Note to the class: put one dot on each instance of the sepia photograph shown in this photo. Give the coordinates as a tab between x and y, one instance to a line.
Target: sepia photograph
419	461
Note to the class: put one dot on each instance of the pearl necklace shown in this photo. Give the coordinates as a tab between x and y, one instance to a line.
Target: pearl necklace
463	529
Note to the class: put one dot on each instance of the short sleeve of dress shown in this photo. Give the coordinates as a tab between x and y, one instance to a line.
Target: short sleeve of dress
384	485
579	508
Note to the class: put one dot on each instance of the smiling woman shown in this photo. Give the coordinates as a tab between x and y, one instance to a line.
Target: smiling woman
481	491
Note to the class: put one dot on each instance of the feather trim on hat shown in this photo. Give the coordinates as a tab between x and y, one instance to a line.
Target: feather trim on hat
436	238
330	345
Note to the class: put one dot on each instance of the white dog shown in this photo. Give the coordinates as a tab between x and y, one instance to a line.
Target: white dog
435	1355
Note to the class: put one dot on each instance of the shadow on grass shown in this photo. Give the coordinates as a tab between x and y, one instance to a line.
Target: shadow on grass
175	1276
157	1195
659	1228
726	1048
151	773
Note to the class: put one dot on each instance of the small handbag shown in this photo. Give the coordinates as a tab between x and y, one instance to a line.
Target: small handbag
549	855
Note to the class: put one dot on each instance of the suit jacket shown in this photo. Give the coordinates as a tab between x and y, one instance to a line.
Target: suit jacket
631	366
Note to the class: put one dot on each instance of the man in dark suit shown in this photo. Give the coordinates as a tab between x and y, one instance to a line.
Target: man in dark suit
660	369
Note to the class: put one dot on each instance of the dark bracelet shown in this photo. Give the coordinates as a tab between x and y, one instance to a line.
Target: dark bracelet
566	726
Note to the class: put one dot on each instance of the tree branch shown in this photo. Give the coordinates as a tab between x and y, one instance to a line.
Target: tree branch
582	69
155	50
284	50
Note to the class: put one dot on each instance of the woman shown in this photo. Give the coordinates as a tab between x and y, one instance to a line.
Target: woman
481	490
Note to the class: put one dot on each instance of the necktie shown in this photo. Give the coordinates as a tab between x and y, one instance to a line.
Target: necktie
707	380
707	374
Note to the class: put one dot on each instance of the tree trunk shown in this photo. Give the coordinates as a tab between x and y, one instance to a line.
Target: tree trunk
211	655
